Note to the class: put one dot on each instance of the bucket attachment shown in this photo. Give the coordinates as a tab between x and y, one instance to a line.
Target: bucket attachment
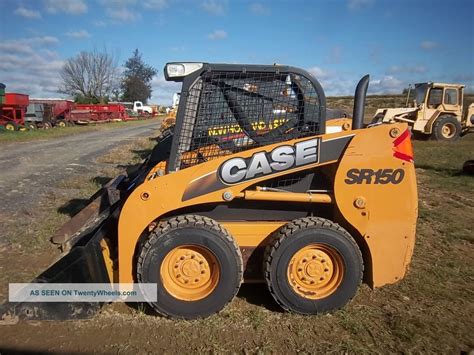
84	263
82	240
98	210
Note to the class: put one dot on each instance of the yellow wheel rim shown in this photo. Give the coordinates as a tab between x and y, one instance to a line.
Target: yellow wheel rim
448	130
9	127
61	124
315	271
190	272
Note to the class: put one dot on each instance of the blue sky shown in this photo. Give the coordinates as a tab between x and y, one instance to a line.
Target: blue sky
397	42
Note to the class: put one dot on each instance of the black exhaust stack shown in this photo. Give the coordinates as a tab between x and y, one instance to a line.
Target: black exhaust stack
359	103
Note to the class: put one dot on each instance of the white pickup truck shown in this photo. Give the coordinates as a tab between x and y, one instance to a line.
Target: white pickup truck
138	107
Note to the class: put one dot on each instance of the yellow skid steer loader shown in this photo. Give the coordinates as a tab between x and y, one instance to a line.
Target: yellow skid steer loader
267	196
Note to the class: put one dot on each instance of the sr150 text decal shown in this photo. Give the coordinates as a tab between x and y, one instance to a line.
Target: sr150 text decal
369	176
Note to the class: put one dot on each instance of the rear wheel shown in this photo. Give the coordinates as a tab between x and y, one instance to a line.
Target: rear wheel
61	123
31	125
196	265
312	265
446	128
11	126
47	125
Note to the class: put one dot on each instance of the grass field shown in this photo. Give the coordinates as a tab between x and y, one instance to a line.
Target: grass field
430	311
18	136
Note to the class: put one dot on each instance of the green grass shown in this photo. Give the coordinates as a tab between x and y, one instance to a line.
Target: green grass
429	311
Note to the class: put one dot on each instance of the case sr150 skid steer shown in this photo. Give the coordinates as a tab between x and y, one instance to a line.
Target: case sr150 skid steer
247	186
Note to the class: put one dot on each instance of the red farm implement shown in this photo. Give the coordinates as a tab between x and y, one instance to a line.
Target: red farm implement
97	113
12	110
55	111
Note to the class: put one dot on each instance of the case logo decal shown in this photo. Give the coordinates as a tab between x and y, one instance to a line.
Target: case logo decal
236	170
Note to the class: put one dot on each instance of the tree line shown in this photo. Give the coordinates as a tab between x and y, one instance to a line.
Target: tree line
95	77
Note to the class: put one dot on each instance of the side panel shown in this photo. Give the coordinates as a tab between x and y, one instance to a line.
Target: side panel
201	184
376	194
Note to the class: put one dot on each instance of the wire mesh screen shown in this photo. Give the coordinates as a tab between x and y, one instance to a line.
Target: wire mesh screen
227	112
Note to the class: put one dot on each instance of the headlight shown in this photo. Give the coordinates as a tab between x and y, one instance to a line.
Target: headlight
177	71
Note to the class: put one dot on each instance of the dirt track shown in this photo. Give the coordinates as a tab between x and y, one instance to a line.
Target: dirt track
43	183
30	170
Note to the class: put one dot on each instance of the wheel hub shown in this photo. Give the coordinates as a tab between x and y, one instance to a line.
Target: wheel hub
315	271
448	130
190	273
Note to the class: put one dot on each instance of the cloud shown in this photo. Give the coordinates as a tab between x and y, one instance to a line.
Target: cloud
259	9
27	13
217	35
26	45
318	73
355	5
388	84
81	34
333	83
163	90
121	10
72	7
36	73
429	45
155	4
215	7
100	23
397	69
340	83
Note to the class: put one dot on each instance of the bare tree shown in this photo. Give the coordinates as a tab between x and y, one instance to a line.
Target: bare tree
90	75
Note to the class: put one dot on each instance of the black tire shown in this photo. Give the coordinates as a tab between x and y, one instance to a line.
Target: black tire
294	237
420	136
377	119
468	167
196	231
446	128
61	123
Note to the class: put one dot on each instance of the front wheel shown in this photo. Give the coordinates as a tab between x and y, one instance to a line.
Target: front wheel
312	265
446	128
196	265
11	126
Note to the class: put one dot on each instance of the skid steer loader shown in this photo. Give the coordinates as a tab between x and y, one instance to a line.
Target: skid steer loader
268	197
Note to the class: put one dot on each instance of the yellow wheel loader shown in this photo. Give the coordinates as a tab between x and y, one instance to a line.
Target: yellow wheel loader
271	197
437	112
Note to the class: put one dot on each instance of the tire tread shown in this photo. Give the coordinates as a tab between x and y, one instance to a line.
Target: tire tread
290	228
186	221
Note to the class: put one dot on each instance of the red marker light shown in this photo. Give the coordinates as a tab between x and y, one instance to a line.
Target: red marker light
402	148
